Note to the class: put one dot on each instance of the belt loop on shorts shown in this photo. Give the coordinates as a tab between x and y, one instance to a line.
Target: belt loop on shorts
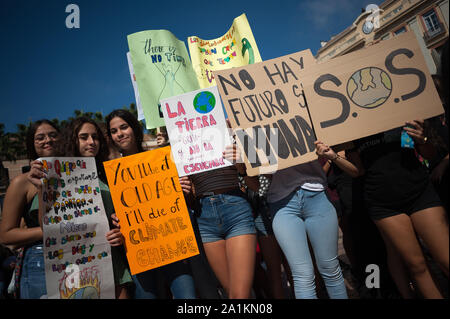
234	191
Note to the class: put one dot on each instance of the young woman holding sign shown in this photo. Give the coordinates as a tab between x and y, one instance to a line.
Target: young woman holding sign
126	133
84	138
21	201
302	211
402	203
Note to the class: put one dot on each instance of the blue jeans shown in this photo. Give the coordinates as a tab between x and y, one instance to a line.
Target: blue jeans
177	275
309	215
32	278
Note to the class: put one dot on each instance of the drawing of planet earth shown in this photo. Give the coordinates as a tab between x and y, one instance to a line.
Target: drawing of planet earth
369	87
204	102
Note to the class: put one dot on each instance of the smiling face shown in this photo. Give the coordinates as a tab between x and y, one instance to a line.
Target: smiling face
123	136
45	139
88	140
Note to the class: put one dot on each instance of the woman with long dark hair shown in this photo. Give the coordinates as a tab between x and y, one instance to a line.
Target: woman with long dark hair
85	138
21	201
126	133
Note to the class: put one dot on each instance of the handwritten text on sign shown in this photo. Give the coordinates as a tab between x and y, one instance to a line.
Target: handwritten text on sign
267	109
77	255
197	130
150	205
370	91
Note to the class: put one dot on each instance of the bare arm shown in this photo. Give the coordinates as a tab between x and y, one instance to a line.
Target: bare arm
340	160
416	131
34	177
19	193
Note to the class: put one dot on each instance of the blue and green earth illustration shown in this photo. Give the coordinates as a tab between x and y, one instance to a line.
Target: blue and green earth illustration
369	87
204	102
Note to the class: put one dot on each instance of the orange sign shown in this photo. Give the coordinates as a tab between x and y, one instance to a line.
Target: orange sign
150	205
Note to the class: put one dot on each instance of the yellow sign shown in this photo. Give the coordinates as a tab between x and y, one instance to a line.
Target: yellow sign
150	205
235	48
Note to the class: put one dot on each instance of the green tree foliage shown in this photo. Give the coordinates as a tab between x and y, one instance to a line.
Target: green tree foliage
13	145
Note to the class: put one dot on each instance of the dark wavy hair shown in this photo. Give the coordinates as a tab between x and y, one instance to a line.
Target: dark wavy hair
132	122
72	143
31	150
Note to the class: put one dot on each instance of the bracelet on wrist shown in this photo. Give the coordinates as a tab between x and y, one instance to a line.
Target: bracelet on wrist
335	158
425	140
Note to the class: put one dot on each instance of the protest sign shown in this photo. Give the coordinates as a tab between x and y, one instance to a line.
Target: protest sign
163	69
370	91
78	263
197	131
236	48
135	89
150	205
267	109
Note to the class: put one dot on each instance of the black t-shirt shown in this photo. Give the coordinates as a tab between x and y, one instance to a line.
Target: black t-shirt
394	175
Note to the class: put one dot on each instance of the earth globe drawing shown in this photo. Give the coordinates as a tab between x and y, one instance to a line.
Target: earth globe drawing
204	102
369	87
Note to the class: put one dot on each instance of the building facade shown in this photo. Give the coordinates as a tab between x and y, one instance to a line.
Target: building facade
428	19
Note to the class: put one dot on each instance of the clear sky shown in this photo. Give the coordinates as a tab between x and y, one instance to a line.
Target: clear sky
48	70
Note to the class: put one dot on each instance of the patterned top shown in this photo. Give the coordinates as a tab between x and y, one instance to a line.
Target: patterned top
226	177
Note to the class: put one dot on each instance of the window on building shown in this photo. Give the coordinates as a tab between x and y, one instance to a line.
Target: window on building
400	31
431	21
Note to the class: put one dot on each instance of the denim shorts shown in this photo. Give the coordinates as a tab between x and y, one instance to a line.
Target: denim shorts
32	279
224	216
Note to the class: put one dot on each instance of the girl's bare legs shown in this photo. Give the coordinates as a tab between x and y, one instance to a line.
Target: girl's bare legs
432	227
398	270
233	262
398	231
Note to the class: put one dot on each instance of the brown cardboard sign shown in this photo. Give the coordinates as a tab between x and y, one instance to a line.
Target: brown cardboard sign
267	110
370	91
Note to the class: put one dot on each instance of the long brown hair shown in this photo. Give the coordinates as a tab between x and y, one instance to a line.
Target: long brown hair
31	150
73	144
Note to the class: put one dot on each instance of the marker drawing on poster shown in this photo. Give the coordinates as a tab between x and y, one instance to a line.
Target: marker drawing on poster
78	262
149	202
197	131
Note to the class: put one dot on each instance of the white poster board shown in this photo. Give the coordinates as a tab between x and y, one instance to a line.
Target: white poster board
78	263
197	130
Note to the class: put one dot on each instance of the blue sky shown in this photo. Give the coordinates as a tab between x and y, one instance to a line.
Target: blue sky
48	71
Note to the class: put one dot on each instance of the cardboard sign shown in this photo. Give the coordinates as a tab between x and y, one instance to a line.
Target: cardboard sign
162	68
150	205
267	109
78	263
197	131
370	91
235	48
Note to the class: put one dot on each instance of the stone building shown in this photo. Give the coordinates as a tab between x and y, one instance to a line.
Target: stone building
428	19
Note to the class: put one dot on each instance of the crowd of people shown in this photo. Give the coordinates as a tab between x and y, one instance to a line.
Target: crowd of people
268	236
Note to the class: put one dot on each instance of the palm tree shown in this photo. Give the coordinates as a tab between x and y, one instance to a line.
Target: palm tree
7	152
132	108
